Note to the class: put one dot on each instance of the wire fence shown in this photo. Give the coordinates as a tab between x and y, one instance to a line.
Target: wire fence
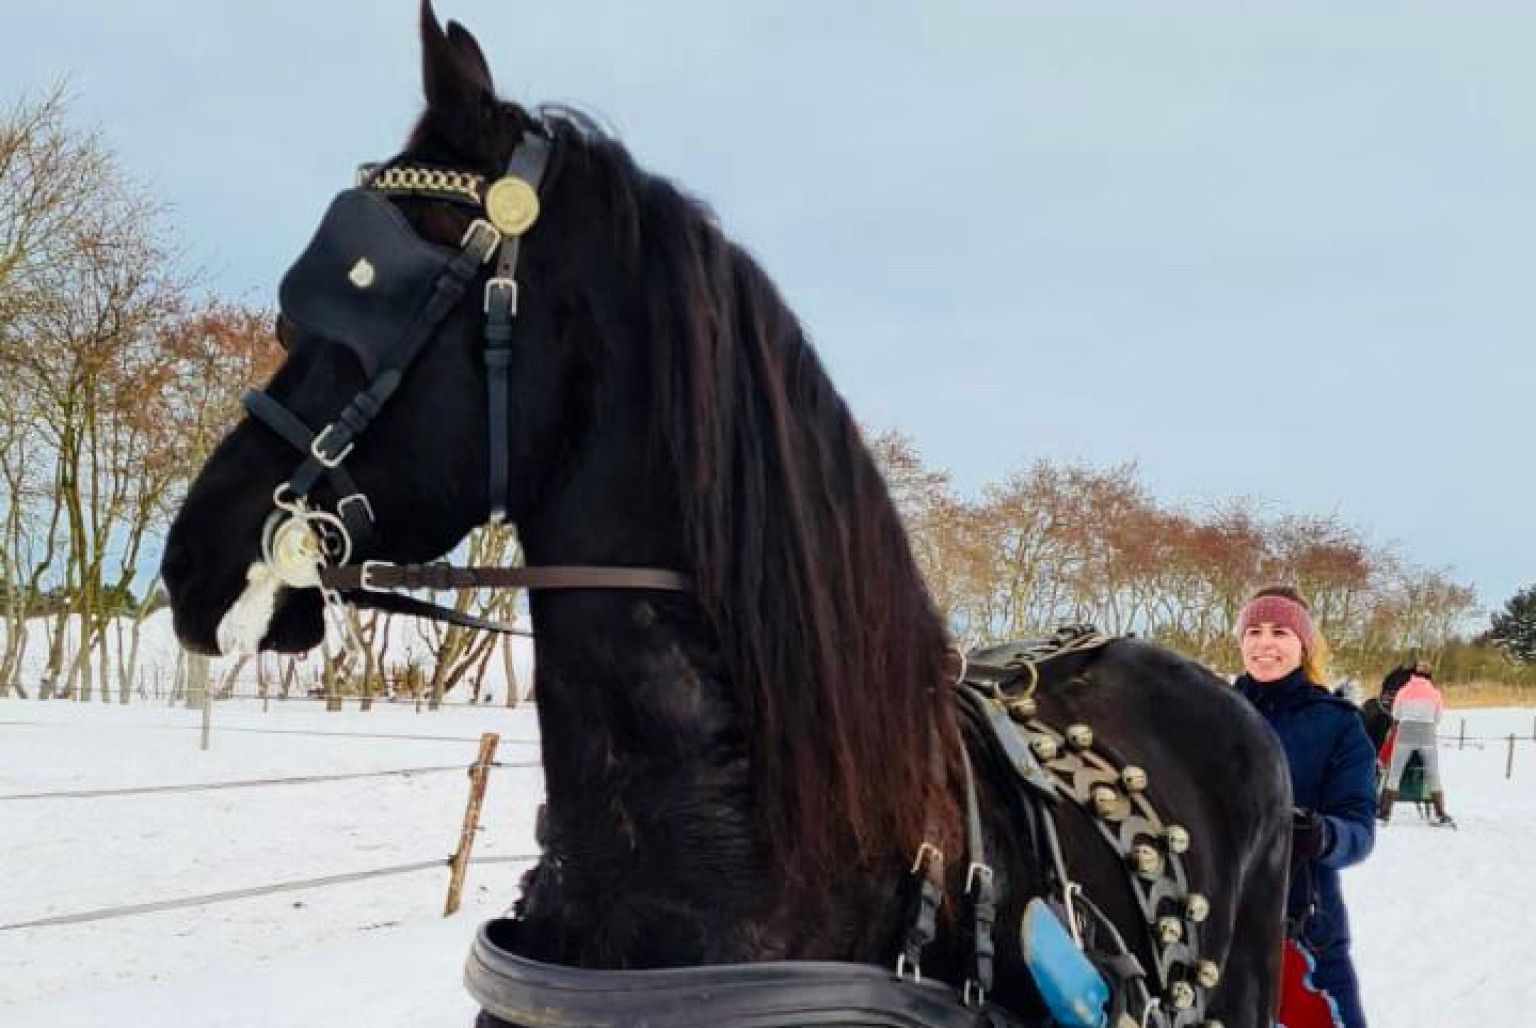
149	790
108	913
129	910
411	737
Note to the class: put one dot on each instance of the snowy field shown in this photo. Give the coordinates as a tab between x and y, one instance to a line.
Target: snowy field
1444	921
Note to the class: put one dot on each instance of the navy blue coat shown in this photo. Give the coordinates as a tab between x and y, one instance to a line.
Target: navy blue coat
1333	771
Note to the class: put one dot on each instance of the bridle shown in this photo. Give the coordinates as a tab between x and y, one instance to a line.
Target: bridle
370	283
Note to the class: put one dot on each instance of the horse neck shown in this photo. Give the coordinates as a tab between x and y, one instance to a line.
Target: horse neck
652	849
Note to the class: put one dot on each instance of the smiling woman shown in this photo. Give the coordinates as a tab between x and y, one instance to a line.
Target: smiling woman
1332	766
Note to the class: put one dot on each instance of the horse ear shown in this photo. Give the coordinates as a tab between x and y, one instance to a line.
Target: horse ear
453	70
471	56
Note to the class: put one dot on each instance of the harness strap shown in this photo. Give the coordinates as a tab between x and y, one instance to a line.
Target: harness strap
356	515
394	603
500	308
928	873
979	886
771	994
377	576
528	162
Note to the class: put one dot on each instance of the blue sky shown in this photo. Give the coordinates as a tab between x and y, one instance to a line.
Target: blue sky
1284	252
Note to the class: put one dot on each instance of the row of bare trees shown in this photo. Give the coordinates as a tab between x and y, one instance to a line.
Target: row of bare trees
106	366
1053	544
116	381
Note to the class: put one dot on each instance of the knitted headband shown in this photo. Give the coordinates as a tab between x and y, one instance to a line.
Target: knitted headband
1280	612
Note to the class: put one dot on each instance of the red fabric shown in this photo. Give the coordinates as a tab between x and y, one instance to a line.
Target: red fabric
1302	1004
1385	758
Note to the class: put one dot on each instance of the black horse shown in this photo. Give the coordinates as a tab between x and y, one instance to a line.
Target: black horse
742	769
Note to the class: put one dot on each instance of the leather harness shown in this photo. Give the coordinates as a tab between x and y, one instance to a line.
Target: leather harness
995	698
367	281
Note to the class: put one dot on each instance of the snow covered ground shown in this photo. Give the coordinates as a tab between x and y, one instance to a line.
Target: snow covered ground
1444	922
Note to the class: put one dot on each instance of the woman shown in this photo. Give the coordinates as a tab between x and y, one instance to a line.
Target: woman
1417	707
1333	779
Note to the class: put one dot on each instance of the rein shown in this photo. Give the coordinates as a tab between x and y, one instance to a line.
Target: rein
369	282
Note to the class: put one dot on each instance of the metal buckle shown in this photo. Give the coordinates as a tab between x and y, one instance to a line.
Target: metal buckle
508	284
977	872
365	173
369	566
902	965
480	227
317	449
341	506
926	852
973	995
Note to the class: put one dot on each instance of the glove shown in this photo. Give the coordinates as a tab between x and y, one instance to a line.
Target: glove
1309	834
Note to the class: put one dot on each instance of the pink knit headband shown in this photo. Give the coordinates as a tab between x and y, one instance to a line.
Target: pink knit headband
1280	612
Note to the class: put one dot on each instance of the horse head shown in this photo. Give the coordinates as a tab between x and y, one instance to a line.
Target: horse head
662	408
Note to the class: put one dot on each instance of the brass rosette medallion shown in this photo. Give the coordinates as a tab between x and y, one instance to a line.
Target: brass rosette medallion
512	205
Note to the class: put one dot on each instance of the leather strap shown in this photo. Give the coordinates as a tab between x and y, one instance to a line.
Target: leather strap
376	576
394	603
528	162
771	994
356	516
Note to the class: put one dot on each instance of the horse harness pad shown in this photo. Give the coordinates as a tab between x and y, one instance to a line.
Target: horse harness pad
1083	969
367	281
1046	767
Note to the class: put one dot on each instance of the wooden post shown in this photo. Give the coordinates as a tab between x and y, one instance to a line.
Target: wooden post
1461	743
199	692
1509	761
459	862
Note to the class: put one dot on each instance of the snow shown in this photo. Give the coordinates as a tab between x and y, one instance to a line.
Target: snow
1444	921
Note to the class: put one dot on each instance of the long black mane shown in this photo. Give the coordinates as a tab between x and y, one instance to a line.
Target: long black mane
800	559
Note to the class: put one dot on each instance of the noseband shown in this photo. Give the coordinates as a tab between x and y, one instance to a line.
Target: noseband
368	282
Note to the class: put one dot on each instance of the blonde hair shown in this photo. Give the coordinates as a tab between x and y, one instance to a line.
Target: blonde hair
1315	652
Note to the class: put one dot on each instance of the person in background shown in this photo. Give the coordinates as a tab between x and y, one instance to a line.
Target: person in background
1417	708
1377	710
1333	779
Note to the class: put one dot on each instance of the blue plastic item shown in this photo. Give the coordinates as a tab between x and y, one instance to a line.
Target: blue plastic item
1072	988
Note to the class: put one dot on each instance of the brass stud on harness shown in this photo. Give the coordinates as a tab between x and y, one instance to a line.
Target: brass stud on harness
1169	930
1106	801
362	273
1197	907
1133	778
1207	974
1177	838
1146	860
1022	709
1044	747
1181	995
1079	737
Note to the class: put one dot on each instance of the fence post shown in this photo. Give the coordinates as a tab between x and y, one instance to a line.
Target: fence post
1509	761
459	862
1461	743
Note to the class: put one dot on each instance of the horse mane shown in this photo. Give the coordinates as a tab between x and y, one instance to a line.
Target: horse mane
838	659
